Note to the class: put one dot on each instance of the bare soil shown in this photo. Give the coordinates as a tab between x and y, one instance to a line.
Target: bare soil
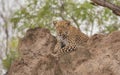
101	56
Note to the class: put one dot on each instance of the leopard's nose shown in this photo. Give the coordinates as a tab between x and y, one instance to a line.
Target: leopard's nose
59	34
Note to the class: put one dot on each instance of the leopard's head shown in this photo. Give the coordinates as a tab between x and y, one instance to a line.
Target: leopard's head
62	28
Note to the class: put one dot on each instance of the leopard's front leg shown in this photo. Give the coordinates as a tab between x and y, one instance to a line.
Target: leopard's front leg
66	49
58	46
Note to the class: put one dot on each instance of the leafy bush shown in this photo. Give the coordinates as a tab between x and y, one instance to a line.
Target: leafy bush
9	59
12	55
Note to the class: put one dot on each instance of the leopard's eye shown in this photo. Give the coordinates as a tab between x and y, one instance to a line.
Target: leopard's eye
62	27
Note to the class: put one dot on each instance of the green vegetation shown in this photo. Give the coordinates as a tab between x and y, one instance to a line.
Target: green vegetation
42	13
12	55
9	59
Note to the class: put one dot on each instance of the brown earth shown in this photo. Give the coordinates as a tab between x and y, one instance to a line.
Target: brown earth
101	56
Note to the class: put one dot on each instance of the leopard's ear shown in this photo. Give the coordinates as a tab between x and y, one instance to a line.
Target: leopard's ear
54	22
68	22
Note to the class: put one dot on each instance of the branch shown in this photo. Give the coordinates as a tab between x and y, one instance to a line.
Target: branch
75	21
111	6
62	9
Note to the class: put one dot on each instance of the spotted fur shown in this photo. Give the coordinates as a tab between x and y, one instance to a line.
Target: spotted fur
68	37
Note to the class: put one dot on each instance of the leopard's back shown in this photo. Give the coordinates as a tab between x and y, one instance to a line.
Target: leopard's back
78	36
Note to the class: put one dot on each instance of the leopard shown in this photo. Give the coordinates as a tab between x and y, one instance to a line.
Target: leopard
69	38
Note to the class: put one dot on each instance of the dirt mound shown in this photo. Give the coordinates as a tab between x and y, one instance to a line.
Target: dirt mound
101	56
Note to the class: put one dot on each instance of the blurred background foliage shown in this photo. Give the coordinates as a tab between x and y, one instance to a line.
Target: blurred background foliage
89	18
13	53
43	12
